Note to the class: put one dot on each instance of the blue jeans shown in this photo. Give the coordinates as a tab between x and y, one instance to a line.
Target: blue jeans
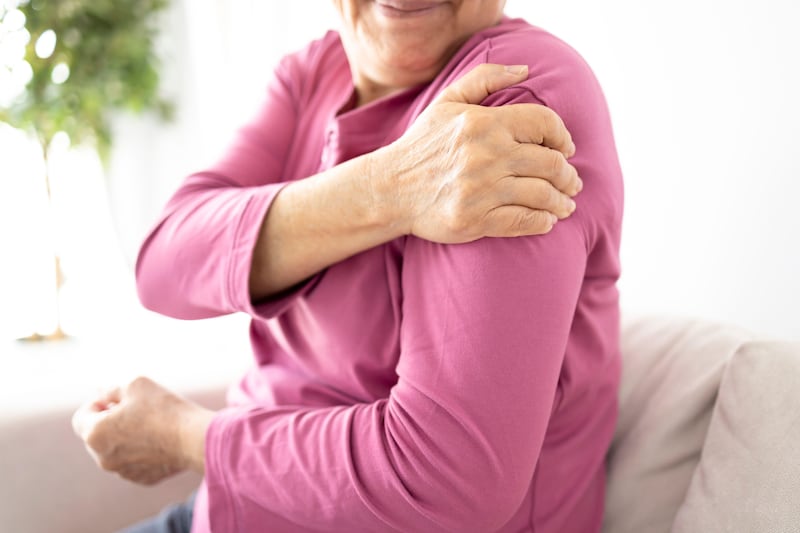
176	518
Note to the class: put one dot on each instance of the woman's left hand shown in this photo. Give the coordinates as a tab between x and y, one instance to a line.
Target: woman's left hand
143	432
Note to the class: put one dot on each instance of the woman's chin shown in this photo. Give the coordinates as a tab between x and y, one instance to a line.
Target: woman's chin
404	12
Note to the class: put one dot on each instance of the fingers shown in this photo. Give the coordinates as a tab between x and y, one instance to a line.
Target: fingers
536	194
518	221
531	160
537	124
132	430
79	422
107	399
86	418
145	474
529	123
480	82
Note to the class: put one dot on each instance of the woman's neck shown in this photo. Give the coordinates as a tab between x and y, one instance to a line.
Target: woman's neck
367	90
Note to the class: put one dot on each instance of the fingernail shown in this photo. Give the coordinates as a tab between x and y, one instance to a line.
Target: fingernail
517	69
553	219
571	205
580	185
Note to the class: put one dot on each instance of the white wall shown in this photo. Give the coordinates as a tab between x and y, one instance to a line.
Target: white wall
704	97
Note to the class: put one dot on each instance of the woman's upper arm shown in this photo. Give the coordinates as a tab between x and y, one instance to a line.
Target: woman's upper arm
486	324
485	329
195	261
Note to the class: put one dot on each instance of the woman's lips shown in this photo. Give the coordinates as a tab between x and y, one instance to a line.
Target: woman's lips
411	8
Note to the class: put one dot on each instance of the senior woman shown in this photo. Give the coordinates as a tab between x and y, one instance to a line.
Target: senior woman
433	352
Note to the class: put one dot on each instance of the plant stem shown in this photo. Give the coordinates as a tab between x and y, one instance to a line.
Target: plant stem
44	144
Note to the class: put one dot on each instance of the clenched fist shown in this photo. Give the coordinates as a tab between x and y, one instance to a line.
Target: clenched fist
143	432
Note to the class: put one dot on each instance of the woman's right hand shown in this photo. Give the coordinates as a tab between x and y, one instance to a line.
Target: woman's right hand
460	172
463	171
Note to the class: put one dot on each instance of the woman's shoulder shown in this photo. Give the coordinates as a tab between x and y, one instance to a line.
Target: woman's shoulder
314	65
317	51
518	39
559	78
557	72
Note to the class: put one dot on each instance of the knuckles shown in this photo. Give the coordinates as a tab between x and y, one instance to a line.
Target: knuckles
472	154
557	164
457	220
96	437
529	223
140	383
520	224
473	123
549	197
550	121
108	463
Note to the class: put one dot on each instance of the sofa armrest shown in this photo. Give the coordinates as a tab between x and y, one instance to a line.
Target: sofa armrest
748	478
671	371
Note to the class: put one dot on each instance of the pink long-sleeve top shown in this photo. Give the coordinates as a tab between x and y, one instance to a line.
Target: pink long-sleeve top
415	386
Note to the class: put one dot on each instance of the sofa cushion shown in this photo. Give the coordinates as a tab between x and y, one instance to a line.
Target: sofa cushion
672	368
748	478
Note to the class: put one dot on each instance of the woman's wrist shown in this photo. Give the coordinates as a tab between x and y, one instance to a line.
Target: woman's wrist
192	426
389	206
324	219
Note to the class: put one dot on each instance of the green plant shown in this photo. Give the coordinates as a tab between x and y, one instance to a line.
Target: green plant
105	50
68	65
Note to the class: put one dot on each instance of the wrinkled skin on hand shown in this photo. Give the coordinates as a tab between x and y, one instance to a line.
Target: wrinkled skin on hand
463	171
139	431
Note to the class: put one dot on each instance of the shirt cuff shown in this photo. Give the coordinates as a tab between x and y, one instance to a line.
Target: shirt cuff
241	260
219	498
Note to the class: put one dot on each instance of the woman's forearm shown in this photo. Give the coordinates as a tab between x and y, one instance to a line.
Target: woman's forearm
192	427
319	221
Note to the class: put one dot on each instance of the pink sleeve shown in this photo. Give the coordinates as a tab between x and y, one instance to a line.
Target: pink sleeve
195	263
484	333
455	445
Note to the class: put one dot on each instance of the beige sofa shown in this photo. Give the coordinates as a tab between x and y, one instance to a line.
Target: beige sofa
708	441
708	438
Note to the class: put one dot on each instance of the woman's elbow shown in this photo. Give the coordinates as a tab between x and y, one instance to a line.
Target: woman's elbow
155	289
461	475
492	505
467	487
149	288
470	510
